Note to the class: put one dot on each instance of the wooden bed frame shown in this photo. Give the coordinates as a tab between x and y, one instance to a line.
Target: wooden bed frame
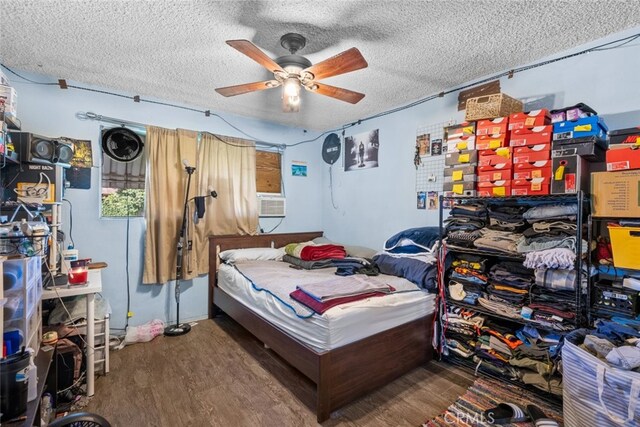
343	374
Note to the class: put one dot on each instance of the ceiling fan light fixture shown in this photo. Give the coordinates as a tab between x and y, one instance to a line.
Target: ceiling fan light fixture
291	95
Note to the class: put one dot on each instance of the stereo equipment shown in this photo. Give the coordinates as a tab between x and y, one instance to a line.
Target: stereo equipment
42	149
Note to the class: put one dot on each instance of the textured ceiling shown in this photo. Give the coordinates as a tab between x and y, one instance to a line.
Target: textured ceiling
175	50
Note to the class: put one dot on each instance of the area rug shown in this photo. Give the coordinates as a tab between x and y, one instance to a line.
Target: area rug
485	394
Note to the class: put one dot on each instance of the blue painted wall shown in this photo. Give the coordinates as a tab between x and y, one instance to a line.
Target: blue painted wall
50	111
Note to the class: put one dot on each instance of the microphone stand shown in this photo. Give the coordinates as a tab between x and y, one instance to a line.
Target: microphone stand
181	329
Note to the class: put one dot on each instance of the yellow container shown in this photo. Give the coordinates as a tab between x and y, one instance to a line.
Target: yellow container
625	242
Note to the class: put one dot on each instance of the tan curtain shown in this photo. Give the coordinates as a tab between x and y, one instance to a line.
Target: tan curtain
227	165
166	186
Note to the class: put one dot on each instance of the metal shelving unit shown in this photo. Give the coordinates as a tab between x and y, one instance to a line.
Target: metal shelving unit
582	300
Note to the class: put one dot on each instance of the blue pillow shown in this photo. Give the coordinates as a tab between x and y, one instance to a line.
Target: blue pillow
421	237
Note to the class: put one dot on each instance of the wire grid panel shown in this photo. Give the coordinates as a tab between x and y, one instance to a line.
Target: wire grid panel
432	148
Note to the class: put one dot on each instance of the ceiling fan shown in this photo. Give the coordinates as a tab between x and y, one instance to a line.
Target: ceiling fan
294	72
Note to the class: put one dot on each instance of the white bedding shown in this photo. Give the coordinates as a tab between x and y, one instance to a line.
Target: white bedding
338	326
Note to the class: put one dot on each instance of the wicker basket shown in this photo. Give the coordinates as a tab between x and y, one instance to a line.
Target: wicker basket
491	106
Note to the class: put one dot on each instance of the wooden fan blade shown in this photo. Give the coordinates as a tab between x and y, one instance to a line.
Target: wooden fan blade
345	62
254	52
247	87
345	95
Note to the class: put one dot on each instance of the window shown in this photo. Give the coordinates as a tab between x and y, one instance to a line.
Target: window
268	172
123	187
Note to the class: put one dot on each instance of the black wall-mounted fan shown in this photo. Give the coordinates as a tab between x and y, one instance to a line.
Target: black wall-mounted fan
331	148
122	144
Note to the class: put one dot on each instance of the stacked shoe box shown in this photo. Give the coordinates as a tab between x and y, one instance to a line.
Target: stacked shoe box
530	140
494	157
579	146
460	160
624	149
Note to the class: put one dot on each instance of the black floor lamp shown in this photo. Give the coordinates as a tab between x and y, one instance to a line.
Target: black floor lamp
183	328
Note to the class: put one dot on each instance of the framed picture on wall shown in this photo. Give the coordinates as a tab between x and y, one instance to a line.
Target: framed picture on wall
361	151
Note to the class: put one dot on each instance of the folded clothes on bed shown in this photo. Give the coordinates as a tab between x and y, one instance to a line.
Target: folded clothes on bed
415	270
344	287
321	306
310	251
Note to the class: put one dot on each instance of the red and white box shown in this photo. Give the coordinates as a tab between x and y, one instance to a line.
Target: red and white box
623	157
491	142
492	127
531	136
494	188
531	187
496	165
459	130
486	157
495	175
530	119
528	173
531	153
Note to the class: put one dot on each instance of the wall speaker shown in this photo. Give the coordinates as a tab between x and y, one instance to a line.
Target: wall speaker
42	149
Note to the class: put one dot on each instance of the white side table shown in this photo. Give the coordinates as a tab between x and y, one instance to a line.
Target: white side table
90	290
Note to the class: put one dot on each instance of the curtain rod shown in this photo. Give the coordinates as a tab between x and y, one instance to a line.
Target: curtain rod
93	116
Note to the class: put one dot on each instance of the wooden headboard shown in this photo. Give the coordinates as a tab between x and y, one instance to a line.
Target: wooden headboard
218	244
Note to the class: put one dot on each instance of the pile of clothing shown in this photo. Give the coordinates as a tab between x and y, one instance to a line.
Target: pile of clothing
411	254
509	283
464	224
525	354
313	256
310	251
617	341
467	279
321	296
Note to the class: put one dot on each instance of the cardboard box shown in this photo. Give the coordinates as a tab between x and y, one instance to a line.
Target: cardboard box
497	175
459	187
531	136
460	130
461	158
590	148
492	127
494	188
530	190
625	136
459	173
616	194
535	183
570	174
529	120
496	164
586	126
487	157
542	172
491	142
623	157
531	153
460	144
9	97
466	193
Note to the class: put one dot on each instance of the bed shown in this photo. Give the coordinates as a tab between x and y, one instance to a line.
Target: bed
341	373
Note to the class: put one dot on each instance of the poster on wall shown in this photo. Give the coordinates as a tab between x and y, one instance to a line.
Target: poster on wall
421	201
361	151
432	200
423	143
79	174
298	168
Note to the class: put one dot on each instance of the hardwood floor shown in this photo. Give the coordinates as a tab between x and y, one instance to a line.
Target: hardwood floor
219	375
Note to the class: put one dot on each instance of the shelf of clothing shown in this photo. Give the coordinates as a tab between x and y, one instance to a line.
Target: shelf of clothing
583	315
473	368
481	310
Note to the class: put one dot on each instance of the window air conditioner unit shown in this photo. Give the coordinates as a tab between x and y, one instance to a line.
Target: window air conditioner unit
271	205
